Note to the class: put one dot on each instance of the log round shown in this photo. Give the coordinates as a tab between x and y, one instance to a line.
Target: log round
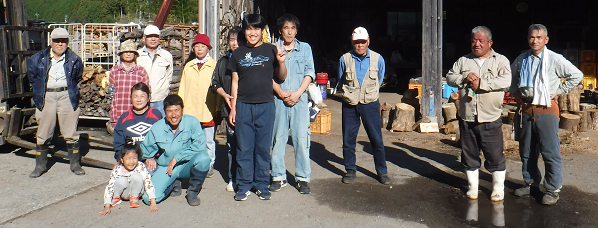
450	112
569	122
404	117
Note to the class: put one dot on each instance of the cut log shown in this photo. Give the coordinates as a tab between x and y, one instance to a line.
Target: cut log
454	97
573	99
586	106
569	122
457	103
593	121
583	120
507	131
451	127
510	117
385	114
404	117
450	112
563	100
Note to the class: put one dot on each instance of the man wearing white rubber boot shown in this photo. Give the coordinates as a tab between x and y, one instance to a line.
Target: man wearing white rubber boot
483	75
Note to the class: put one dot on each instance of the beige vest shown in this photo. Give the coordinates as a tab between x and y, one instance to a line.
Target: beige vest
368	91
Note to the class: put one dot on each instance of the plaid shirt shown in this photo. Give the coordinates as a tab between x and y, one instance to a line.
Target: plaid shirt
122	82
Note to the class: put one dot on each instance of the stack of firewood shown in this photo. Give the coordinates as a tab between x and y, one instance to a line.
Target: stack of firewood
93	90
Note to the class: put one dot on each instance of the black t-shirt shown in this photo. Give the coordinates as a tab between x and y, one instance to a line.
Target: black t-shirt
255	67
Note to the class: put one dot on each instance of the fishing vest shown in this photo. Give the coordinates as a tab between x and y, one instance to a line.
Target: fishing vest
369	90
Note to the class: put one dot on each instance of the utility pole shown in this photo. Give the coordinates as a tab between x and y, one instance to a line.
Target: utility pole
432	60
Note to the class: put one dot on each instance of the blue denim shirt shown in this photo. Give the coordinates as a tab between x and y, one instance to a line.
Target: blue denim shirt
182	146
300	63
361	67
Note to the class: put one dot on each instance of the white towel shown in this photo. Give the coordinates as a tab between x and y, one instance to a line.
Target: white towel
541	85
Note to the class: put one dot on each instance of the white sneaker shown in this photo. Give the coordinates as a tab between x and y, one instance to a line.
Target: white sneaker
473	179
229	187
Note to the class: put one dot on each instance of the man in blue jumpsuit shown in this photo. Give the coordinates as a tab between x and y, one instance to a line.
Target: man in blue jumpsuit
292	111
182	146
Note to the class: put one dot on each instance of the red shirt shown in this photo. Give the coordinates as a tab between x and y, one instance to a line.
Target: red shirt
122	82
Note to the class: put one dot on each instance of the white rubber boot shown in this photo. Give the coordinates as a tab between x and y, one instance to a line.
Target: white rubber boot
498	185
473	177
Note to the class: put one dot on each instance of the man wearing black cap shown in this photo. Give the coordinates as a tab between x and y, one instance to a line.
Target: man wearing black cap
54	73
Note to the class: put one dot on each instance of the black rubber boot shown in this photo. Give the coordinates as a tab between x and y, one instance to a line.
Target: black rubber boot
195	183
176	190
41	160
75	159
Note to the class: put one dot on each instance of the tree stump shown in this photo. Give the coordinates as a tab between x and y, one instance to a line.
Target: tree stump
593	120
404	117
385	113
583	120
451	127
450	112
563	106
569	122
511	117
454	97
586	106
457	103
573	99
507	131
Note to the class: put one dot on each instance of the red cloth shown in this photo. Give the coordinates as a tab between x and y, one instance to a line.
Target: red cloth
209	124
122	82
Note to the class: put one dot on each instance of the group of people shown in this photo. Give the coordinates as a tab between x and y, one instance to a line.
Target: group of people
260	90
535	78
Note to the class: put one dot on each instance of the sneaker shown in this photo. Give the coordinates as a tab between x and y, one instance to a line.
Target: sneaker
134	202
523	191
264	194
242	196
277	185
550	198
210	172
384	179
115	201
303	187
229	187
349	176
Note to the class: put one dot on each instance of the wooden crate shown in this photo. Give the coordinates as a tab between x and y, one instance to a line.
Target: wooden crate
418	87
587	56
588	69
322	123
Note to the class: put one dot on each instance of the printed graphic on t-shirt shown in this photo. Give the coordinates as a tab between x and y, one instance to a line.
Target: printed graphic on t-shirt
253	61
140	129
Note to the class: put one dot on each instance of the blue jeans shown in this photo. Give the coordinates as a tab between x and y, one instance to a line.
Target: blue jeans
210	143
160	106
539	135
254	123
297	119
162	181
372	122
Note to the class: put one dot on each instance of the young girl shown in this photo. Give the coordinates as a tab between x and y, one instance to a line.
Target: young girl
127	181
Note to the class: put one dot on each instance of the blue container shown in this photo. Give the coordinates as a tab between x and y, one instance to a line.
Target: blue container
323	89
447	90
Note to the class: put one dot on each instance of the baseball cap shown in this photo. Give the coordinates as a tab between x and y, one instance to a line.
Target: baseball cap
360	34
151	29
59	33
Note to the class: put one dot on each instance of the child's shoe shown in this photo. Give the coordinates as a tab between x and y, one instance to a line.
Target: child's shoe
134	202
115	201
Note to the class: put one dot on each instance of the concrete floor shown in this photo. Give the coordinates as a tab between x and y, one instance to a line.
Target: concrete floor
427	191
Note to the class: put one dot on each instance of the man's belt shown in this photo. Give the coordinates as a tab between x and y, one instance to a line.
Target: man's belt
60	89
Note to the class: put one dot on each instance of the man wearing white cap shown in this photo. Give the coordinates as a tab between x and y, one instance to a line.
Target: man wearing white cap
158	64
360	73
53	74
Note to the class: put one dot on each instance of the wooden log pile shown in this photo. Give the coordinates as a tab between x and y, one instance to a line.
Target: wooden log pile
94	100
